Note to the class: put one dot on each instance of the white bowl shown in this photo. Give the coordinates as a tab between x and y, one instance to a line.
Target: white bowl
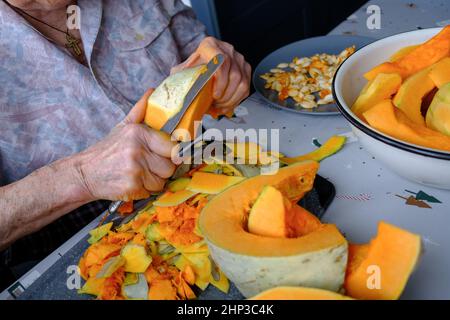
427	166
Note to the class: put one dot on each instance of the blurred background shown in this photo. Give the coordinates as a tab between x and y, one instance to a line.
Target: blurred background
270	24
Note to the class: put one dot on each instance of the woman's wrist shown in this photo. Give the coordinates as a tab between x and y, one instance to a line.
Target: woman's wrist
70	178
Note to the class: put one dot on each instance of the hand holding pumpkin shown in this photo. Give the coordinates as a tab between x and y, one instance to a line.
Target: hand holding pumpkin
232	80
130	163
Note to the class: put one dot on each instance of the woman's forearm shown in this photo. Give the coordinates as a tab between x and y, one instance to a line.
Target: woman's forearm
40	198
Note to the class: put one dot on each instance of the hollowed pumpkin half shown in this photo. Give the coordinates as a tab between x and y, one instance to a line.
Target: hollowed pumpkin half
256	263
299	293
381	269
168	98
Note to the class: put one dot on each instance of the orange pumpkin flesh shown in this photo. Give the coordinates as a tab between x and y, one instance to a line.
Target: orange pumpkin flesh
417	59
268	214
440	72
298	293
392	121
409	96
382	87
394	252
167	100
273	215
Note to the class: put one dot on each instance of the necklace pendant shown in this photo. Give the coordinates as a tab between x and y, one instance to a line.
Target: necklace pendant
73	43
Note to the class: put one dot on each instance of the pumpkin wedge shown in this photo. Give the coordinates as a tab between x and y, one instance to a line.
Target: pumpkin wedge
381	270
440	72
392	121
168	98
267	216
409	96
298	293
417	59
256	263
382	87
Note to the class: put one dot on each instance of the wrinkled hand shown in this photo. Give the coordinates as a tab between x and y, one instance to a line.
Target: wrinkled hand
130	163
232	80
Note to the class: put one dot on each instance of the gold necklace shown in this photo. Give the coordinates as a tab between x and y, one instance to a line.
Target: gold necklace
72	43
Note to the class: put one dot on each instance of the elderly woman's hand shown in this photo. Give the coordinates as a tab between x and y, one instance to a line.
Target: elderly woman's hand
232	80
130	163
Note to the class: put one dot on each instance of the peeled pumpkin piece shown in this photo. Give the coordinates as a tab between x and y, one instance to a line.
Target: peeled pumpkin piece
210	183
412	91
440	72
136	258
382	87
388	119
256	263
267	216
330	147
438	114
402	52
395	252
168	98
298	293
273	215
422	56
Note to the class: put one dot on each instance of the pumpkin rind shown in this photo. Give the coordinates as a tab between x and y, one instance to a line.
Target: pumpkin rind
210	183
330	147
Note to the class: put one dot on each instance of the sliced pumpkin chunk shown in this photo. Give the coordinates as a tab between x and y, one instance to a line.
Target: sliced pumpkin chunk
267	216
392	121
136	258
440	72
438	114
170	199
382	87
409	96
298	293
402	52
168	98
417	59
386	266
330	147
210	183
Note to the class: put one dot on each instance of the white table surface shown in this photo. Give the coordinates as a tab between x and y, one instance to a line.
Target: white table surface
365	189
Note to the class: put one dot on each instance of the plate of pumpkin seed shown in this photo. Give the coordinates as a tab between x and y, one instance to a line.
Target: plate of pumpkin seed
298	77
